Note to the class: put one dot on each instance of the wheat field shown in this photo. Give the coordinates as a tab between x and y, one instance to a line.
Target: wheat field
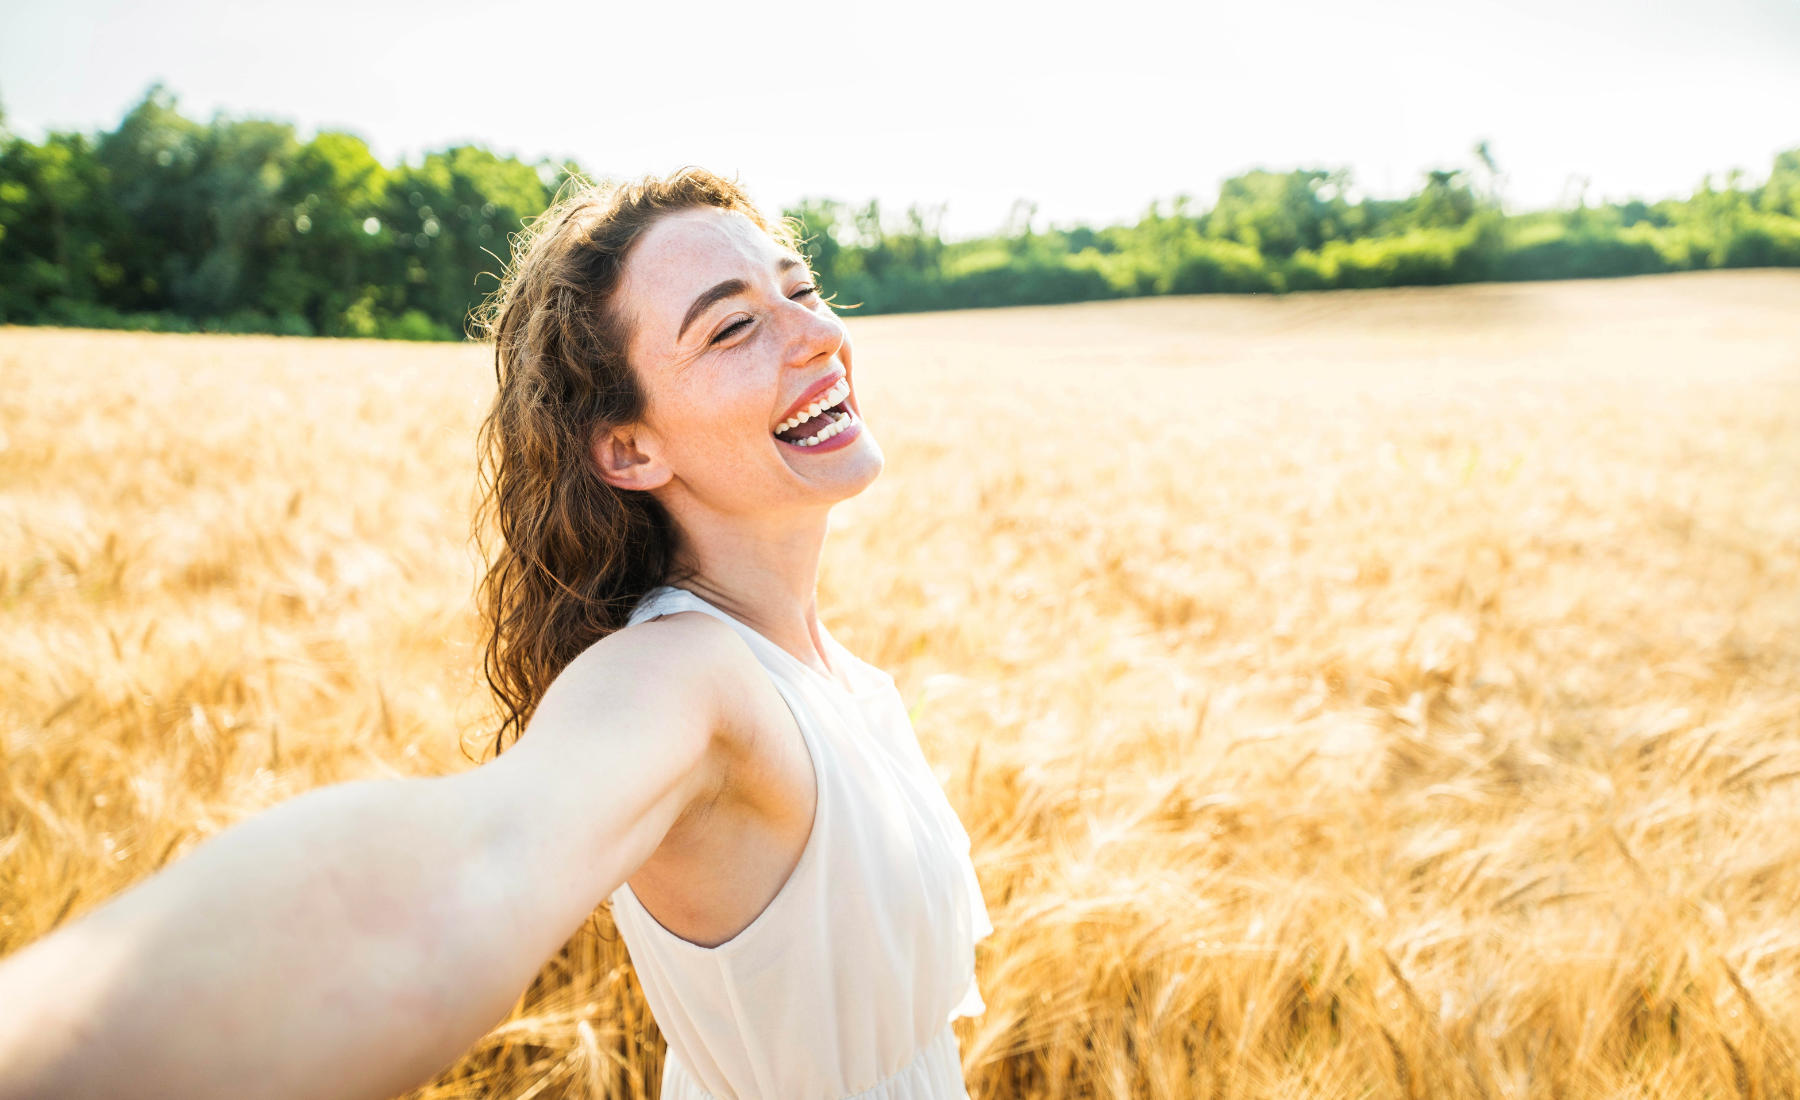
1355	694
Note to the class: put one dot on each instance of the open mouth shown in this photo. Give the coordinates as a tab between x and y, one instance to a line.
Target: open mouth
826	417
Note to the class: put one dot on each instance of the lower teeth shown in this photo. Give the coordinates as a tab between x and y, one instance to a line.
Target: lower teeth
835	427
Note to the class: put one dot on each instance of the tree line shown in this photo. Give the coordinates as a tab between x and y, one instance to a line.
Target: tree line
238	225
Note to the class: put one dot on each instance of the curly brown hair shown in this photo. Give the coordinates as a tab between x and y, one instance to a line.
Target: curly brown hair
568	556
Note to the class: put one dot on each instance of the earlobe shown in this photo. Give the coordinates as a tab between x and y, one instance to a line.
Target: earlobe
626	459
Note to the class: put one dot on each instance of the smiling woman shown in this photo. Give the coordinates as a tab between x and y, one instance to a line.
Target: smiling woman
675	416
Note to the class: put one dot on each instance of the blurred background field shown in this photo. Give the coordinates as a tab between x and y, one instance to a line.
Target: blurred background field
1388	693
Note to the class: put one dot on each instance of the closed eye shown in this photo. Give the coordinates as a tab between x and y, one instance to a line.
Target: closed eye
738	325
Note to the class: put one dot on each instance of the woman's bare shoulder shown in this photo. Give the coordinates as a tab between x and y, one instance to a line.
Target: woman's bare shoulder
757	709
653	725
684	648
688	657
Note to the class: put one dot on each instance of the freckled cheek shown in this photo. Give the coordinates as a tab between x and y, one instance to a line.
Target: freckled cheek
720	428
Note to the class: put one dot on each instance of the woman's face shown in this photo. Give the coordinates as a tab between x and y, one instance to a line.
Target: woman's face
732	344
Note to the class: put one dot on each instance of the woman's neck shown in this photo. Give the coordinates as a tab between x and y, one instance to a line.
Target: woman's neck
767	579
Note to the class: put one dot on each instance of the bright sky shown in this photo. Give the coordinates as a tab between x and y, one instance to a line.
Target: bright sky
1090	110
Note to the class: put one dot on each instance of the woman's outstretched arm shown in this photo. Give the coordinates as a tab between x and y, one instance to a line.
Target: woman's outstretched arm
353	941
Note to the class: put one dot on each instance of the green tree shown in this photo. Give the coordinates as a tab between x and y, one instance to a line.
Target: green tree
239	184
1445	202
448	220
1279	213
329	261
818	222
151	160
55	225
1780	194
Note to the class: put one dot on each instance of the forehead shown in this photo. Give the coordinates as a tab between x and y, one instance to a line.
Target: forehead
682	255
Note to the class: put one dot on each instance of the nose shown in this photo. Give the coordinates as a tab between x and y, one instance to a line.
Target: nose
817	334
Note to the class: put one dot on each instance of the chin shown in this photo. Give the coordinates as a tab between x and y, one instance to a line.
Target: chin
866	463
840	474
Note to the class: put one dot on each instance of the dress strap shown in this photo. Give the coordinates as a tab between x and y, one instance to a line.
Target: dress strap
667	599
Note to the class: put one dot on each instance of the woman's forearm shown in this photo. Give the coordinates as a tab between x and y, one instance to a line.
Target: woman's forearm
348	943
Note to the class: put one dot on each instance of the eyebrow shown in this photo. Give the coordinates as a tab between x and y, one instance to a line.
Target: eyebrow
730	288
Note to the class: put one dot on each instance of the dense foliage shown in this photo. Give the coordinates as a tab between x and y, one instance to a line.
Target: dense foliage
238	225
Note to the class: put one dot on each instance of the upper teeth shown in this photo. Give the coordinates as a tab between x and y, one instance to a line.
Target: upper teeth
829	399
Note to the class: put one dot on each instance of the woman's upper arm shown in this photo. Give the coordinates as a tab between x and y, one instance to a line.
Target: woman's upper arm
635	731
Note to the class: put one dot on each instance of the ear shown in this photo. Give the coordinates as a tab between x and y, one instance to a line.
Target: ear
627	458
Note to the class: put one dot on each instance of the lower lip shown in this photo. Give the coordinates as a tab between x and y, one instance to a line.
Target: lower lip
836	442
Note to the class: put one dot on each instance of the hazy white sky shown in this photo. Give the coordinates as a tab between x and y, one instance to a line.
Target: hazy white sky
1091	110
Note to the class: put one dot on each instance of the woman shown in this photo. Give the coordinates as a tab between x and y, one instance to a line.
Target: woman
675	418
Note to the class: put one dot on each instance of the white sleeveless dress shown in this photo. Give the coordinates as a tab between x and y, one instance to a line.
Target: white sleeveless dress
845	985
